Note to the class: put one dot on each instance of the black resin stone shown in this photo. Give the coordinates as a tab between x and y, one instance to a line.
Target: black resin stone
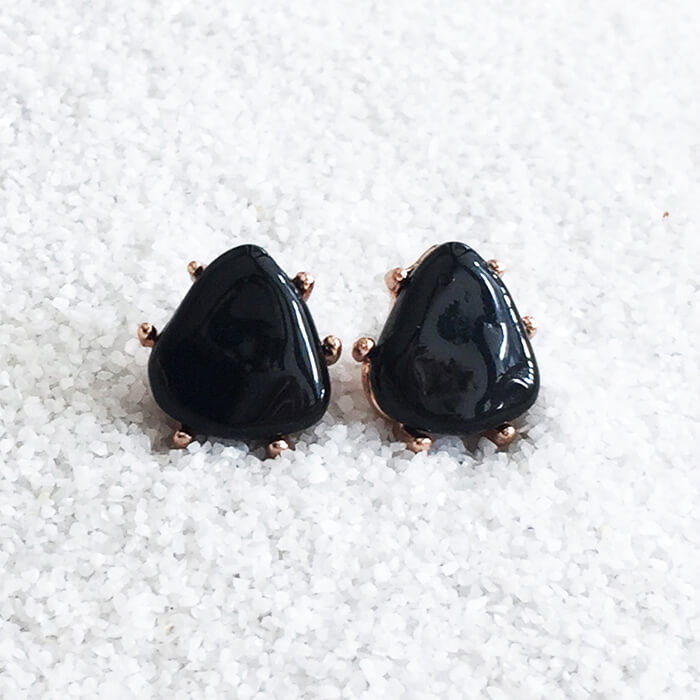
454	357
240	357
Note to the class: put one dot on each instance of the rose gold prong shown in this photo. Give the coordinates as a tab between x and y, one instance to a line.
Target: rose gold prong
395	279
530	326
362	348
147	335
277	447
304	283
415	442
182	438
332	348
501	436
367	385
497	267
195	269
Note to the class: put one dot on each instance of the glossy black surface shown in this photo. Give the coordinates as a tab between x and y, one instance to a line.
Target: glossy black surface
241	358
454	357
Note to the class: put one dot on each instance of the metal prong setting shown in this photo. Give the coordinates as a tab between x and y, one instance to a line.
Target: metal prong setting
147	334
502	436
195	269
362	348
277	447
361	353
394	280
182	438
304	283
530	326
415	442
497	267
332	348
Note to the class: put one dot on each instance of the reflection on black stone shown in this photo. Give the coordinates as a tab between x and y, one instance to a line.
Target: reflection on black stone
439	376
453	325
241	357
453	357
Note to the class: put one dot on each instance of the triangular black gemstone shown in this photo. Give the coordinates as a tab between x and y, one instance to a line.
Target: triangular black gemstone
454	357
241	358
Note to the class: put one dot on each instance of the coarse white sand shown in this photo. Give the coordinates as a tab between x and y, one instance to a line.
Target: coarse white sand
346	138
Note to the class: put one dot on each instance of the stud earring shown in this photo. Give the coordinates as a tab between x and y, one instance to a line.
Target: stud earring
454	357
240	358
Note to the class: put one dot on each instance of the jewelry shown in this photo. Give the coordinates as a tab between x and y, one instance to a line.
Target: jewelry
454	357
240	358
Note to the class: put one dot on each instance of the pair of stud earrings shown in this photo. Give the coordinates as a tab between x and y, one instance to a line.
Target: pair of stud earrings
241	358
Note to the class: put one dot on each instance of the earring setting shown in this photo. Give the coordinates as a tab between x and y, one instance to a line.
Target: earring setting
454	357
241	358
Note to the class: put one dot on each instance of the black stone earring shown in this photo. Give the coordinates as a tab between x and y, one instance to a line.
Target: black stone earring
454	357
240	357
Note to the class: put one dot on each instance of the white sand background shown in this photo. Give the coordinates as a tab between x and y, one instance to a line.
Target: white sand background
347	137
